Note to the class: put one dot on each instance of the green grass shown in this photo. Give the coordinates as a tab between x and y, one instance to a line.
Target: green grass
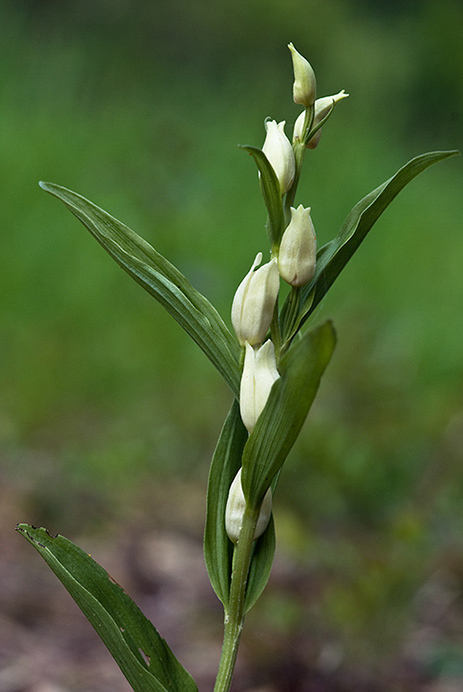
76	335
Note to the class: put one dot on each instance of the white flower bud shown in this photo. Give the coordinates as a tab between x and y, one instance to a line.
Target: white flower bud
278	150
236	505
323	105
298	248
322	108
305	85
299	126
254	302
315	140
259	374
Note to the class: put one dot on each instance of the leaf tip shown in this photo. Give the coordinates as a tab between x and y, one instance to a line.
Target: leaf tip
28	529
245	147
48	187
25	530
45	186
332	327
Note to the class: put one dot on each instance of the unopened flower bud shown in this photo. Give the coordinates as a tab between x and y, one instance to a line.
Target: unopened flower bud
254	302
315	140
259	374
299	126
236	505
322	108
323	105
305	84
298	248
278	150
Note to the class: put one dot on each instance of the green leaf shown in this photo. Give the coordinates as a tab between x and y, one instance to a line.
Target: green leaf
141	654
313	131
287	407
162	280
333	257
272	195
261	565
295	307
218	549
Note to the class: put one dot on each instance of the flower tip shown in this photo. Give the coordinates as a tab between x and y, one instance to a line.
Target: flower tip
254	302
297	254
305	83
257	261
339	96
279	152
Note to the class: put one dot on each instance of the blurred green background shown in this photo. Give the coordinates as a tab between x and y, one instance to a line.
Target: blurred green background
104	401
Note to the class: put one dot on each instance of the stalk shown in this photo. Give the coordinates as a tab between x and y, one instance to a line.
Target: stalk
234	614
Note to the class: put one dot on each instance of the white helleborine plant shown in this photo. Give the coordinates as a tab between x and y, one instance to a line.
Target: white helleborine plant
254	302
270	407
234	511
322	108
259	374
298	248
278	150
305	84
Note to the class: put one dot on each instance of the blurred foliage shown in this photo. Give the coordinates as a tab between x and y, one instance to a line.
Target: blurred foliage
139	106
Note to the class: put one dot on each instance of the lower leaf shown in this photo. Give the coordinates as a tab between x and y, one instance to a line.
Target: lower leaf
142	655
261	565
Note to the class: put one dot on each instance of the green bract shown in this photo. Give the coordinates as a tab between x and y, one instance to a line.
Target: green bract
289	402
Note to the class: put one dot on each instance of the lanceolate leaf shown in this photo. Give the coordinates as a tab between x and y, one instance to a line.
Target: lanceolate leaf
218	549
261	565
289	402
271	193
333	257
162	280
141	654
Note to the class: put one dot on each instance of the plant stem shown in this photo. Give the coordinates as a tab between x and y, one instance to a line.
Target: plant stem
299	151
292	314
234	614
275	332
